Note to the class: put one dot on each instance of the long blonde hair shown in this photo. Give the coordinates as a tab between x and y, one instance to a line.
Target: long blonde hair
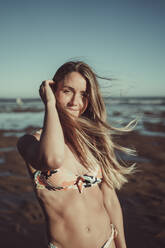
90	136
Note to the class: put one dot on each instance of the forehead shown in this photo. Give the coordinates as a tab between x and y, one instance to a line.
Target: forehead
75	80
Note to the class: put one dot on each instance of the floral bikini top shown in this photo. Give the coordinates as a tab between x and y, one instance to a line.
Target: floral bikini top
46	179
50	178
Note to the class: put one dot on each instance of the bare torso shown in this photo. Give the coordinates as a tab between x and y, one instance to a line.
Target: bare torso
75	219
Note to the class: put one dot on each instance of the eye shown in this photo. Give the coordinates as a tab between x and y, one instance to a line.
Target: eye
66	91
84	94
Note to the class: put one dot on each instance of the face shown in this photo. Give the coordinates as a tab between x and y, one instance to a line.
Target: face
71	94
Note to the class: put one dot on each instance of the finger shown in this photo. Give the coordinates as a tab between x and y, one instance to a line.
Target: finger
53	85
41	87
43	83
48	82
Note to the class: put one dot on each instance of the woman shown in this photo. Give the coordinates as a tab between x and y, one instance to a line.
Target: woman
72	163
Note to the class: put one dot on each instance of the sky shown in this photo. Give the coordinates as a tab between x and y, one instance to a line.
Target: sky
124	40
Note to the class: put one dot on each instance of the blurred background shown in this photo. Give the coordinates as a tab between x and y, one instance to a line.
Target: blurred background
123	40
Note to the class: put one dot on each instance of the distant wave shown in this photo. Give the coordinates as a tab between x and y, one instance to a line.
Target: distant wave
120	111
136	100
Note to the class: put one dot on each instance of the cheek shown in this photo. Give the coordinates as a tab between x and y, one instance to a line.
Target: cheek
85	105
61	98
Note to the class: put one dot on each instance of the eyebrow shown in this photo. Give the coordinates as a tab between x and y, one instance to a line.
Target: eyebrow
71	88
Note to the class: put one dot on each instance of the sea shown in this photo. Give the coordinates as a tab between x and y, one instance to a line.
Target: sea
19	114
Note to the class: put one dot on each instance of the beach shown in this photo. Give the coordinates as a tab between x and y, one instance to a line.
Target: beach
142	198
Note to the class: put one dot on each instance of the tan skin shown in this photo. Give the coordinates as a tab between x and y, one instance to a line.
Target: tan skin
73	219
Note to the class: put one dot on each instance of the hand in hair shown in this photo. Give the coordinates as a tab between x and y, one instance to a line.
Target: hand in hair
46	92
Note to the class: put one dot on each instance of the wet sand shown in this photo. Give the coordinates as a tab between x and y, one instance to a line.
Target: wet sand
142	198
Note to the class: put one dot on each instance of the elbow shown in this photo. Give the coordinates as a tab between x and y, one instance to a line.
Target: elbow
54	162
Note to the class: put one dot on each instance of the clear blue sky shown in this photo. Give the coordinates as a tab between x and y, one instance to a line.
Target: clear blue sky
123	39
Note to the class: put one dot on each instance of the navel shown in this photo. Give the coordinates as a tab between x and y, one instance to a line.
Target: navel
88	229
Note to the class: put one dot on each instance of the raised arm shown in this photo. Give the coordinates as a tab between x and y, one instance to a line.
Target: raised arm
114	211
49	149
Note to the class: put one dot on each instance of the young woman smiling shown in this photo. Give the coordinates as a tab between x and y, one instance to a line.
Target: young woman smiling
72	163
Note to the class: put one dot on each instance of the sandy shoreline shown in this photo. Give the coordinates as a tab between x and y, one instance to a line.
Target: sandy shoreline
142	199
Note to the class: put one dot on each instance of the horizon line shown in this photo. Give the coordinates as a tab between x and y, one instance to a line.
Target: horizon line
133	96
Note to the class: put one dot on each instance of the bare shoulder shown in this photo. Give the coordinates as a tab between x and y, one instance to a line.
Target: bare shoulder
27	140
27	146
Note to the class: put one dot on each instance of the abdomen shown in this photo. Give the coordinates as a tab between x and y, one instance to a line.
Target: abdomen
80	217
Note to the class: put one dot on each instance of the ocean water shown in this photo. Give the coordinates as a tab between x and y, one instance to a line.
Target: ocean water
16	114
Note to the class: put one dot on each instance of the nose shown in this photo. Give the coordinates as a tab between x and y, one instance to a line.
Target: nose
76	100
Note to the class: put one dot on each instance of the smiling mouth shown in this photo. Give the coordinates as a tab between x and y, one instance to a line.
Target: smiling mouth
73	109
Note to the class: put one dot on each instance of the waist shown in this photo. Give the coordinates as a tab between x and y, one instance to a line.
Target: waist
92	241
83	224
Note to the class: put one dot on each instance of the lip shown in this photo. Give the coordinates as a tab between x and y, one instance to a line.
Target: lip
73	109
